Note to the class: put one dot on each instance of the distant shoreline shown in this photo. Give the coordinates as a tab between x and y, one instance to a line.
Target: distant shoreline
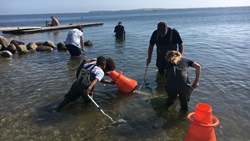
141	9
159	9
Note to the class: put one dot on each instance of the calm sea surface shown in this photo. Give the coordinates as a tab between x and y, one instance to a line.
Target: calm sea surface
33	84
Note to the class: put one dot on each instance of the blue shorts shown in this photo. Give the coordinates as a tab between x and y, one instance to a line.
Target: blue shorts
73	50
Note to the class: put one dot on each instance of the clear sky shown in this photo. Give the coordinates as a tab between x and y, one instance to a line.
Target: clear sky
74	6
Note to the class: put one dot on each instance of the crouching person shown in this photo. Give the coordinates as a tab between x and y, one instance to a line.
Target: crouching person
88	74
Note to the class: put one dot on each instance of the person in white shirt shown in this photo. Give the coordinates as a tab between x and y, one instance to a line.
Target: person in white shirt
88	74
75	41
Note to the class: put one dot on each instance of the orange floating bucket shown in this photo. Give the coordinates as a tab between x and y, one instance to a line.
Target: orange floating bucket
124	83
202	125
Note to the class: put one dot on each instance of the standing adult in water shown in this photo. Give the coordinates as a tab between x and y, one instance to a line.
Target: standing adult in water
75	41
119	30
54	21
165	39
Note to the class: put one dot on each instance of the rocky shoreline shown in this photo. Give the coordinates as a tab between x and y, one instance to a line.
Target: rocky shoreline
17	47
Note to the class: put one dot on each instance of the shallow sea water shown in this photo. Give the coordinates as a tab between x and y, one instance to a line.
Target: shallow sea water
32	84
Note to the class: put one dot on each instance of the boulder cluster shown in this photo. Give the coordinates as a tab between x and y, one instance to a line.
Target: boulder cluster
17	47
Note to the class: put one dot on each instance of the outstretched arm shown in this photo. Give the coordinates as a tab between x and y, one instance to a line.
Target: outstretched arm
108	81
197	74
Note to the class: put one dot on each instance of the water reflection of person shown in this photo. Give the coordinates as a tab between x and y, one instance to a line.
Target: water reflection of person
73	63
56	35
120	44
120	40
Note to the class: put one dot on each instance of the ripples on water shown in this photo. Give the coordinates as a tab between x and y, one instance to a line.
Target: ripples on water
33	84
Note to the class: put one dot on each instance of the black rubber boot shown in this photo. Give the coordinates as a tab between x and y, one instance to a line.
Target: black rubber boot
61	105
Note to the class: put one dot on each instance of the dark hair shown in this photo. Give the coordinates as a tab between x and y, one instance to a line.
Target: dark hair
101	61
161	28
79	27
110	64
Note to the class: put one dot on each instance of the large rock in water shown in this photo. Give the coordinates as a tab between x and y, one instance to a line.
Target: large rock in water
39	43
11	48
21	49
44	48
61	46
3	42
49	43
6	53
16	43
88	43
31	46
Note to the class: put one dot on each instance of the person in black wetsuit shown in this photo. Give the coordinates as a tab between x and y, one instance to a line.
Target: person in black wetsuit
165	39
177	78
119	30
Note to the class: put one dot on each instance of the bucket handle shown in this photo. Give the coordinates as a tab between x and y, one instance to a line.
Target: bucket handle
120	74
